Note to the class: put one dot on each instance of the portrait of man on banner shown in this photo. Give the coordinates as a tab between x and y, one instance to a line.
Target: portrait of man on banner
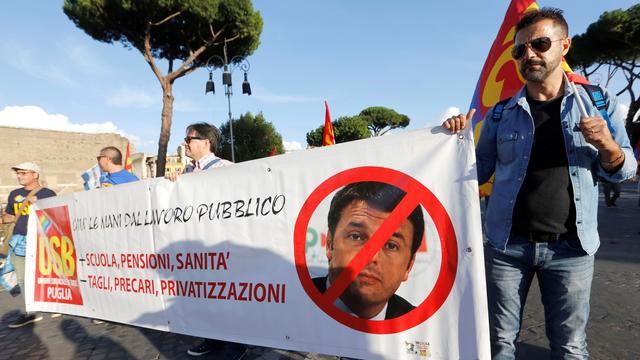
356	213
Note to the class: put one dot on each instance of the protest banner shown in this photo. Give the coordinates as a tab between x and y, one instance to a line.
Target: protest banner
241	253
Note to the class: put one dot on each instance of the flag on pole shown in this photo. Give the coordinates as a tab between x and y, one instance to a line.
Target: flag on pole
127	160
327	134
595	95
499	78
93	177
573	77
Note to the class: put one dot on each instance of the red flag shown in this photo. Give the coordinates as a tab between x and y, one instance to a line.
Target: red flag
127	160
573	77
327	134
274	151
499	78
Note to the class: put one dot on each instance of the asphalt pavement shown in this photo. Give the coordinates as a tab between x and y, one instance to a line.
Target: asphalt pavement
613	331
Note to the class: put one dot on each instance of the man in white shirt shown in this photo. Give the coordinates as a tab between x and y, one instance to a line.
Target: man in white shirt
200	144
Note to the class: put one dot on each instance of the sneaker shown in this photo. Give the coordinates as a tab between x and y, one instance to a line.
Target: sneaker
25	319
205	347
96	322
15	291
234	351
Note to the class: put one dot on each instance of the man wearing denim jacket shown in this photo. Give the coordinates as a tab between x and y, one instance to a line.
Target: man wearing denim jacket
542	216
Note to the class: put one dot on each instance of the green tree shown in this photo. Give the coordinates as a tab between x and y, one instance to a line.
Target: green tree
345	128
381	119
253	137
612	43
185	33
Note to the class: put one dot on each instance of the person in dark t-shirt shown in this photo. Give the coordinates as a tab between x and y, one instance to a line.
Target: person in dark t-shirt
17	212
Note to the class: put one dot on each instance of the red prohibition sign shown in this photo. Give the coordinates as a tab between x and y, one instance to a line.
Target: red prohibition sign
416	193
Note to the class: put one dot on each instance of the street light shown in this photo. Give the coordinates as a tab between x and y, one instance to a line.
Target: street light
228	67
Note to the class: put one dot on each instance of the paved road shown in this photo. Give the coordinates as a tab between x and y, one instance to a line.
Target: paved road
614	328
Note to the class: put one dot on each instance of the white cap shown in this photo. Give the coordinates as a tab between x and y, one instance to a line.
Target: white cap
27	166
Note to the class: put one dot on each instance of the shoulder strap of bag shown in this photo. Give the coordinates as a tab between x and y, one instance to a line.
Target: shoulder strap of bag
597	98
498	108
26	201
210	164
9	230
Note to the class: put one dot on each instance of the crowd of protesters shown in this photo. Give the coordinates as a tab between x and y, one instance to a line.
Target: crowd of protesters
200	143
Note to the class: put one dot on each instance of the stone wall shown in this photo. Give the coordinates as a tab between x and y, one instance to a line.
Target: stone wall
62	156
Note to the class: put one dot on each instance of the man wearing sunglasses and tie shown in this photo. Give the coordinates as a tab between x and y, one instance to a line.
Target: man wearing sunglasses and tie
542	216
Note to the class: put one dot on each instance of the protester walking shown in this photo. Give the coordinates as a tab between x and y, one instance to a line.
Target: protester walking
110	161
17	214
608	188
200	145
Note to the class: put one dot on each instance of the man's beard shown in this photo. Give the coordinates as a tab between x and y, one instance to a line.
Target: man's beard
540	74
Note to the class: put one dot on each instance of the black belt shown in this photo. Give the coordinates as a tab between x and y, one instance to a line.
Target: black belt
538	236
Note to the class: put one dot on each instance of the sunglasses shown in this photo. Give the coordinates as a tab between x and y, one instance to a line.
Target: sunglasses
100	157
22	173
189	138
541	44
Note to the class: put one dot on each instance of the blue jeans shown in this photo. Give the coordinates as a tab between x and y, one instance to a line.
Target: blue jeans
564	273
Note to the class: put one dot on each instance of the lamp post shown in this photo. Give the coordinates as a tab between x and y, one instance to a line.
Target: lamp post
228	67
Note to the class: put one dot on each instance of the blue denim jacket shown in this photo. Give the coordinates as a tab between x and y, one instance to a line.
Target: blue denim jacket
504	146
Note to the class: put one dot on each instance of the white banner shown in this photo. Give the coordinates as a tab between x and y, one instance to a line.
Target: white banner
244	253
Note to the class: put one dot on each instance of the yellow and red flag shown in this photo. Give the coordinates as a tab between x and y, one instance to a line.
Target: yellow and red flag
499	78
573	77
327	135
127	160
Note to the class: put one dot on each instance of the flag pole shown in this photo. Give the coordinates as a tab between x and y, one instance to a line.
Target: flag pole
583	110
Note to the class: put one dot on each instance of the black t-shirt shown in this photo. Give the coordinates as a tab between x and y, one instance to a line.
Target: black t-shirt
16	197
545	201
